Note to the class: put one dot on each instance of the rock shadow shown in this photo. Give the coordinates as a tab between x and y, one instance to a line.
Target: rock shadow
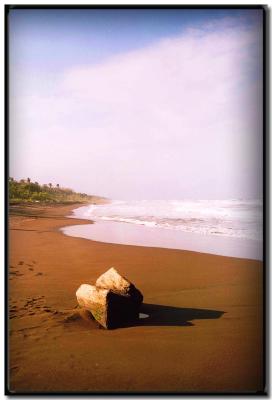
152	315
160	315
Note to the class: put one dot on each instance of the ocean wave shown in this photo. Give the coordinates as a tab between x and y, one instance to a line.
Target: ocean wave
231	218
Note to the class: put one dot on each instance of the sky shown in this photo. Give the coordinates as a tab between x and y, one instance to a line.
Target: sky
138	104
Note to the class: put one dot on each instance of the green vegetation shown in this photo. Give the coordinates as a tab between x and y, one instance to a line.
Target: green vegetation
27	191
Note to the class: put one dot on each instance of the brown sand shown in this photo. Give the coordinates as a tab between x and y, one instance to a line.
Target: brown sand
204	332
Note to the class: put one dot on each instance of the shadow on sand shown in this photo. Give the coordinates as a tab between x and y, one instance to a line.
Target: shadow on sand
159	315
150	315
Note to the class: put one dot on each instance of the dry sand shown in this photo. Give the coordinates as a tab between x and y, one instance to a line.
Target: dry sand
204	332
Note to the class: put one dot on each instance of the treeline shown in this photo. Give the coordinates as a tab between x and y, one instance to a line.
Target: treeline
27	191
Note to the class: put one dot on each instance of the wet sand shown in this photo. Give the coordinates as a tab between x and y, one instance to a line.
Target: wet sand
140	235
204	331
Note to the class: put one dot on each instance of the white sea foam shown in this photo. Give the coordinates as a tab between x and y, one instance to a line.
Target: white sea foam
226	218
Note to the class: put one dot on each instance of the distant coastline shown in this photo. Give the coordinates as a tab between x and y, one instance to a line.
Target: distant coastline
25	191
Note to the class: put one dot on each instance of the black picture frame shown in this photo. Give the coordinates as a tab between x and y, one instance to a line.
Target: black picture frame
266	185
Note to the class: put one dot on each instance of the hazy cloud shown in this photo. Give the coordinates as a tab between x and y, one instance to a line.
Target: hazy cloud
178	119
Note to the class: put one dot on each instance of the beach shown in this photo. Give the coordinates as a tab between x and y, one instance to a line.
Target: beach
203	334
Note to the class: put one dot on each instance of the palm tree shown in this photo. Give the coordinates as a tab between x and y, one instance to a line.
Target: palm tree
50	185
57	185
28	180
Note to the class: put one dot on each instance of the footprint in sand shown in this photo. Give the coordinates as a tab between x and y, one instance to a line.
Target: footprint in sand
15	273
36	307
21	263
30	306
14	368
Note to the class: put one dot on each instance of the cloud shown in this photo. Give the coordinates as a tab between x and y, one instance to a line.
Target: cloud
183	114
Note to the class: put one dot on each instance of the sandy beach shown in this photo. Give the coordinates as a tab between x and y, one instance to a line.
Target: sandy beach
203	334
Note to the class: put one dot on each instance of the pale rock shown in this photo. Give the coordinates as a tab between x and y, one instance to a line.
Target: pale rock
94	300
112	280
113	302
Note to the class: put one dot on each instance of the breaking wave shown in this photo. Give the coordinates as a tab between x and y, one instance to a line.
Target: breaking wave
229	218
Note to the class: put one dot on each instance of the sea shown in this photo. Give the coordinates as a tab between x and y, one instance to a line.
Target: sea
231	227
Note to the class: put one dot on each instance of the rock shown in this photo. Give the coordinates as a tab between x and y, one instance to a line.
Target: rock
112	280
113	302
95	300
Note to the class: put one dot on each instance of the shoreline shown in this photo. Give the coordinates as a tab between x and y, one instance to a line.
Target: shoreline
204	332
125	234
129	234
